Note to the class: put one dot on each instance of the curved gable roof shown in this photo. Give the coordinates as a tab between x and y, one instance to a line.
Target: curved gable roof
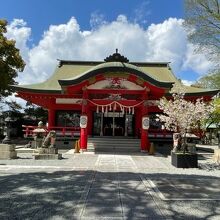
115	67
72	71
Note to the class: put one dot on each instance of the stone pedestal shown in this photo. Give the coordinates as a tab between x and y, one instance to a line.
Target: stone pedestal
46	154
7	151
216	156
38	142
186	160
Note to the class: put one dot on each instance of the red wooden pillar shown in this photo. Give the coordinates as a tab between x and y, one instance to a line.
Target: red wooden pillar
83	139
138	122
84	131
51	118
145	144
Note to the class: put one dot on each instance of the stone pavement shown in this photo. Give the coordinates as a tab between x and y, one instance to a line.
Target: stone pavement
107	186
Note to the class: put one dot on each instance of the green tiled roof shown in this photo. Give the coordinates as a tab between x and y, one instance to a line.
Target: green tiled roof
72	70
116	67
52	84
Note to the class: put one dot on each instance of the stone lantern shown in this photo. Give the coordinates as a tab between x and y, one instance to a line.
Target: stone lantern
8	122
7	150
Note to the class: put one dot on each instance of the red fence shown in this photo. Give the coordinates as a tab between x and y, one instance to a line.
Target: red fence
60	131
75	131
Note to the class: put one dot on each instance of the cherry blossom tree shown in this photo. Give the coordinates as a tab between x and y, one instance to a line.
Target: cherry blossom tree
182	116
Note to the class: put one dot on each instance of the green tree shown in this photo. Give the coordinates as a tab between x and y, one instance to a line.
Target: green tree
202	19
10	61
35	112
209	81
216	113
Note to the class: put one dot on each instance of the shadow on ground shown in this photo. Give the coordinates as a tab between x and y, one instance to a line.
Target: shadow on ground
119	195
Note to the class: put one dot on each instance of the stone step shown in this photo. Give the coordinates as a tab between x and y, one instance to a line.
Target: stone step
106	144
115	139
113	144
117	149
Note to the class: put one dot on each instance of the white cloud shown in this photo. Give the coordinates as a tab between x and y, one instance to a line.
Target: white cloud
19	31
128	38
167	42
97	20
187	82
159	42
197	62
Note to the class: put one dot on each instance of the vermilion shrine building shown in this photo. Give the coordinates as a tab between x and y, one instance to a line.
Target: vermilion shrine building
115	97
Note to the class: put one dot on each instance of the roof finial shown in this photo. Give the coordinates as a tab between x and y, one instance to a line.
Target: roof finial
116	57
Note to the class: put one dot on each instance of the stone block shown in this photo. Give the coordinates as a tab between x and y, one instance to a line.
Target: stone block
186	160
216	156
47	156
7	151
46	150
7	147
4	155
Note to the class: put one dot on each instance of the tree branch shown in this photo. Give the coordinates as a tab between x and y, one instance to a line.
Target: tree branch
217	5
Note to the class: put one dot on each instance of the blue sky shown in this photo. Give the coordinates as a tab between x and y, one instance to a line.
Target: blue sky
142	30
40	14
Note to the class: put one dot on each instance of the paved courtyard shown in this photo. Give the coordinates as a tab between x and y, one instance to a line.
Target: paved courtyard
107	186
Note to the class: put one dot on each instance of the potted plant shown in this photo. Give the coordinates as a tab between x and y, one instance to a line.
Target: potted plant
182	116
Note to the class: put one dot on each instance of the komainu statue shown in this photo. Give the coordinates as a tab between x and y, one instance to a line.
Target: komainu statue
49	141
47	151
39	134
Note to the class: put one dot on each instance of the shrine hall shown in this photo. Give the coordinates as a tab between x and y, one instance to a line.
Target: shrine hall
110	98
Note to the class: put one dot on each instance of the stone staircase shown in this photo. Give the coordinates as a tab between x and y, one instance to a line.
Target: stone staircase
113	144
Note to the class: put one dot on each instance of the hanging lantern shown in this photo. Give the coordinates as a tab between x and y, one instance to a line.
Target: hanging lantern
102	109
132	110
129	110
